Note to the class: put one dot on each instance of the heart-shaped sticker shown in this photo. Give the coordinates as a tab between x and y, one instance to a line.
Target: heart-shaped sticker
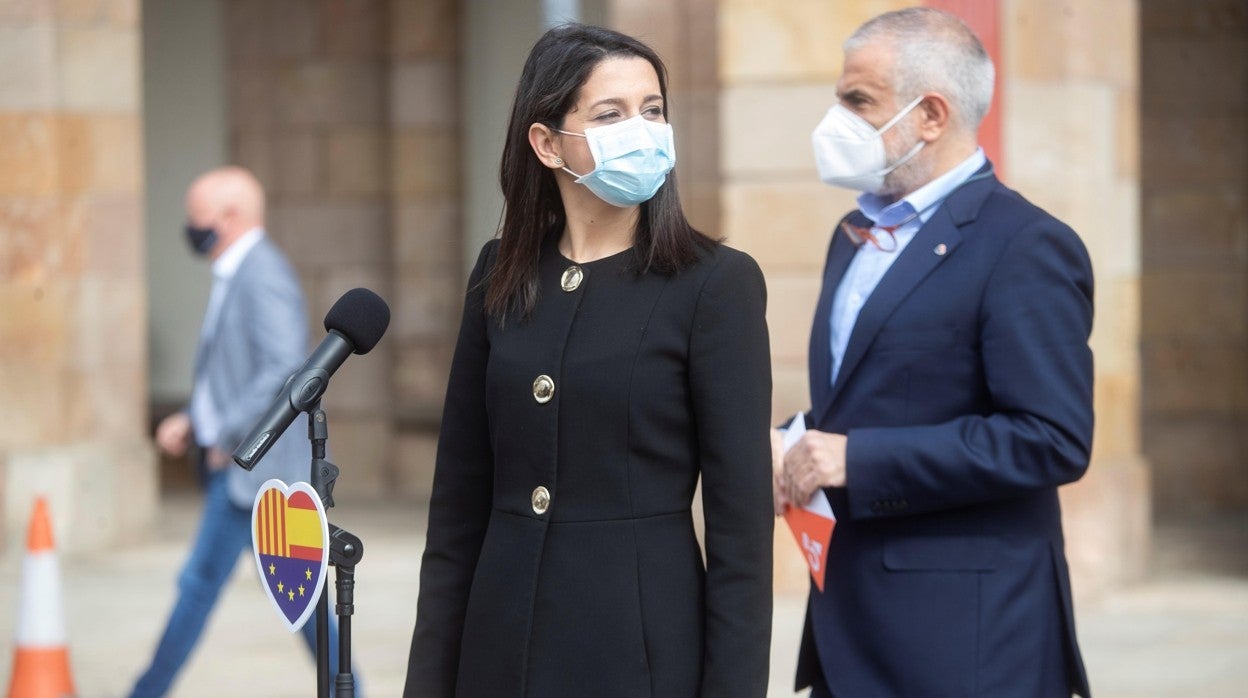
290	539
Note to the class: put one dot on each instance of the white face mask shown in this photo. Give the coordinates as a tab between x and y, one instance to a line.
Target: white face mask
850	152
631	160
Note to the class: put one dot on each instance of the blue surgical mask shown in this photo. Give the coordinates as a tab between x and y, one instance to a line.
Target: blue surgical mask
631	160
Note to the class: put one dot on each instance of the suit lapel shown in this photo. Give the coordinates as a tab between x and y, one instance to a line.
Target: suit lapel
840	254
916	262
935	242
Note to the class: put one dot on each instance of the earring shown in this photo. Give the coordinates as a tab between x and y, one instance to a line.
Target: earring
558	162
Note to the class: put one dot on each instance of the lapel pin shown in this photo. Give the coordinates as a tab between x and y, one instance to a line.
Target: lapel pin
941	249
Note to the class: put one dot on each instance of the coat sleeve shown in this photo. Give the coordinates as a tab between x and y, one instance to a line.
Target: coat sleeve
1035	320
276	337
730	385
459	509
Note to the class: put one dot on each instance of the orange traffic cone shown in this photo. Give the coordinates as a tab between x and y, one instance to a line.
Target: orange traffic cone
41	660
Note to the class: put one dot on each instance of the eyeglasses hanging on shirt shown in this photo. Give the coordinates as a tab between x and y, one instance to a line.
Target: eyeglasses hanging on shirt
861	235
883	237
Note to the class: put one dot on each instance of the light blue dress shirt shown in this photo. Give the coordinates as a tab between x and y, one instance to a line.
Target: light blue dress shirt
870	263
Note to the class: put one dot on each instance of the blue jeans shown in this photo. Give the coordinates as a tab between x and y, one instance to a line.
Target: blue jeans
224	532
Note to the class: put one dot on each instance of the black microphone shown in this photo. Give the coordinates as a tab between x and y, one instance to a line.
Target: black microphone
355	324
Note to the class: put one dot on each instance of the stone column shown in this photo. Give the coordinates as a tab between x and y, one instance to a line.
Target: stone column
73	364
1194	97
1071	138
348	112
308	114
426	250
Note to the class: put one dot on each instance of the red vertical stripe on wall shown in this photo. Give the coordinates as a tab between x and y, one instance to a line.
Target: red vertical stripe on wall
984	18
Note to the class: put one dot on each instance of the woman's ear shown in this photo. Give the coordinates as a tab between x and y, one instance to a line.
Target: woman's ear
544	143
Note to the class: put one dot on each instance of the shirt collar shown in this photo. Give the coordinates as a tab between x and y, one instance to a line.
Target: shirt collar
227	264
924	199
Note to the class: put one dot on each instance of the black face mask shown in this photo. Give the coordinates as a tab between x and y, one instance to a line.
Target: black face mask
202	240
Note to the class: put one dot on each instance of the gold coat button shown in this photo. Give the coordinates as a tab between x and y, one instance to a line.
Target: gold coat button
543	389
571	278
541	500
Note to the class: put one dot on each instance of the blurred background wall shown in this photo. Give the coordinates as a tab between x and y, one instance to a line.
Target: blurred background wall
376	126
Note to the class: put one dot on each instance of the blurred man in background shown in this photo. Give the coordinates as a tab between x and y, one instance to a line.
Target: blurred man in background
254	335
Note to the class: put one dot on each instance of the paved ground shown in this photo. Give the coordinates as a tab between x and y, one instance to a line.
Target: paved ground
1184	632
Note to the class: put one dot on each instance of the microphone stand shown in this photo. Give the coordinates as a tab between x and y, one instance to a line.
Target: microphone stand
345	550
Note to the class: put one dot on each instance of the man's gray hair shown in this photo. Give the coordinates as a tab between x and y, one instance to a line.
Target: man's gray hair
934	51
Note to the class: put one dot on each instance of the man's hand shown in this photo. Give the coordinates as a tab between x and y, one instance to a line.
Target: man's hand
816	460
778	498
173	435
216	459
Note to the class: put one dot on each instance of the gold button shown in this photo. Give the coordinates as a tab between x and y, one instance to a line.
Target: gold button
571	278
543	389
541	500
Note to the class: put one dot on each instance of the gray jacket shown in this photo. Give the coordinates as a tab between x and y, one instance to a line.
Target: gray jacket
261	337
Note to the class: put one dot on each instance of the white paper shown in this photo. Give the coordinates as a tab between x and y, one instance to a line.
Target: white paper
818	503
796	428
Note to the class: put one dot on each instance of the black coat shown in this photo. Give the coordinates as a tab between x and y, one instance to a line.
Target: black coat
602	591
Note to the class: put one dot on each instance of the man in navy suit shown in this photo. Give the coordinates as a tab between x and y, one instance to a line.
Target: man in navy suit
951	391
254	335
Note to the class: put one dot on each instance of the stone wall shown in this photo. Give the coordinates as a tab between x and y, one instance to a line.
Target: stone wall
346	110
1194	335
73	365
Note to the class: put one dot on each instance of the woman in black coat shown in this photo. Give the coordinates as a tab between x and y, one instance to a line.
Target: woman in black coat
609	354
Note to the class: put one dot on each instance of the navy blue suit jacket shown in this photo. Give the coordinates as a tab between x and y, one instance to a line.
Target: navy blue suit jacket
966	395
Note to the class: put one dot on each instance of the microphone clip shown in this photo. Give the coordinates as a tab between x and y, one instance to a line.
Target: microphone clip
324	473
324	477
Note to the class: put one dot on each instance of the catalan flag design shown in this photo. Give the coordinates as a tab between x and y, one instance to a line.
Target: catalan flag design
289	540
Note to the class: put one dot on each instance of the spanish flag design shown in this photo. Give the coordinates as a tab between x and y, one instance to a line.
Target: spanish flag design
290	538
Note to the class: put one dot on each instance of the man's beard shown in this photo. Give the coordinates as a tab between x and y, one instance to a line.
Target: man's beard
911	175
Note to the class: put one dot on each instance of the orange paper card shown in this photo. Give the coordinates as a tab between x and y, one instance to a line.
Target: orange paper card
811	524
812	532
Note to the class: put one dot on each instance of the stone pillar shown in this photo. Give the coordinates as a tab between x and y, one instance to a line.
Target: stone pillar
308	96
73	364
1194	97
426	249
1071	137
348	111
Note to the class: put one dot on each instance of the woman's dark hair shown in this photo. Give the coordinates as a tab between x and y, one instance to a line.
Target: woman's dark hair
559	64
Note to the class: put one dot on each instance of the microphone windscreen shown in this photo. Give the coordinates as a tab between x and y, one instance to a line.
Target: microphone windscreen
361	316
